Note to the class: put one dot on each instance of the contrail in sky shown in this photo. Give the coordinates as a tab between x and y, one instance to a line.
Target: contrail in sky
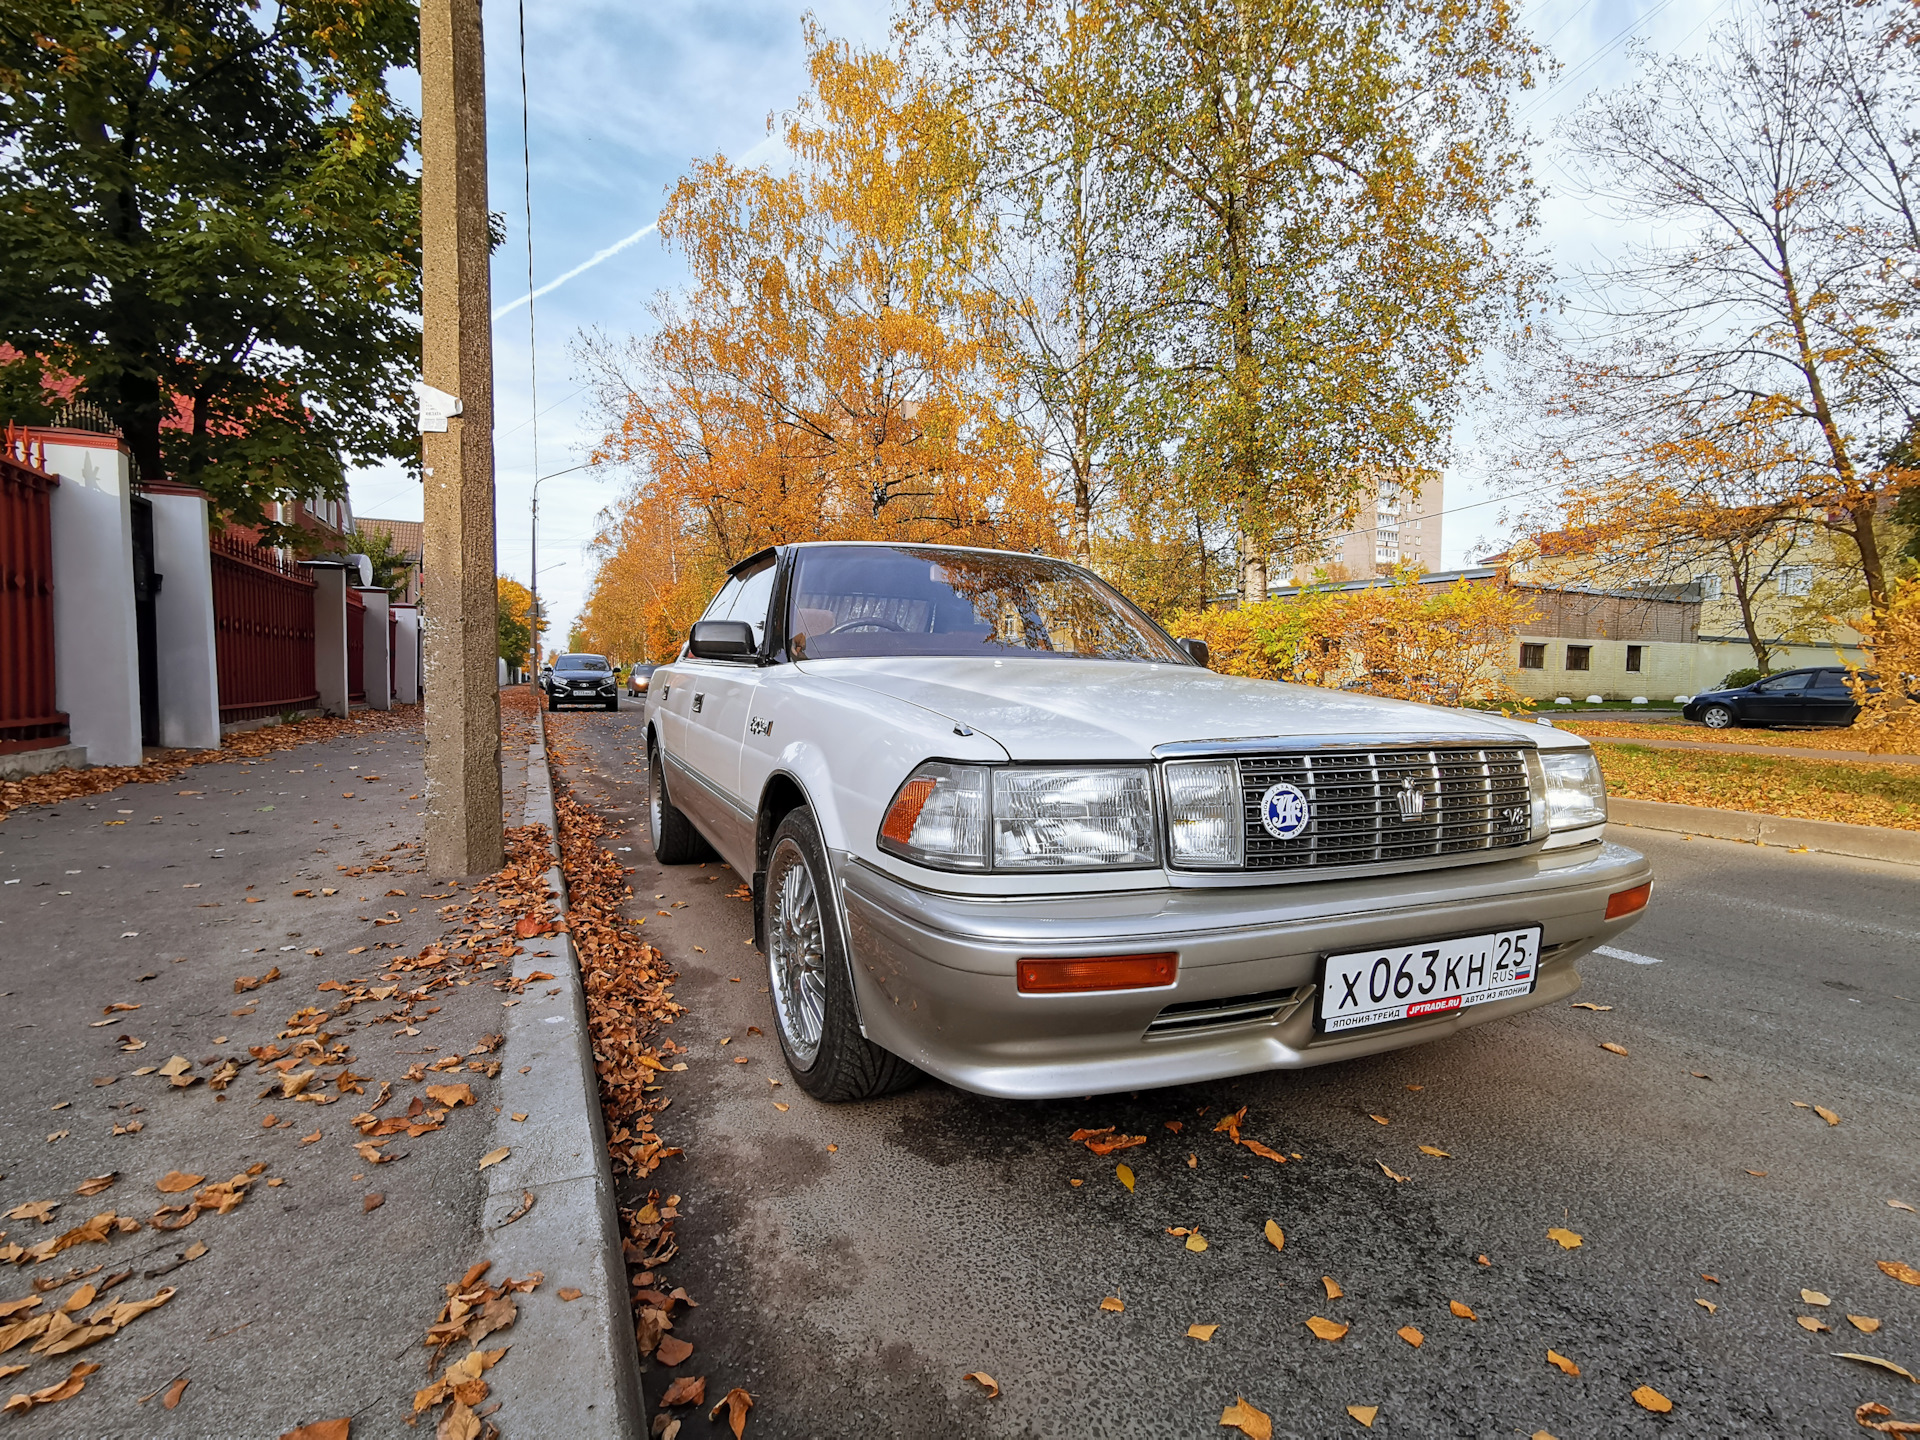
580	269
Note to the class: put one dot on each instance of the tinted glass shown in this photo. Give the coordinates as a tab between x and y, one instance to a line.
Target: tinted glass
1786	684
1832	680
903	600
582	662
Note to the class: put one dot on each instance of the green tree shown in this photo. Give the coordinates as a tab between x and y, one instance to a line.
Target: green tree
391	566
211	228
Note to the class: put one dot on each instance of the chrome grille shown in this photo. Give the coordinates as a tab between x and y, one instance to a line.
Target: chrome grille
1190	1016
1473	798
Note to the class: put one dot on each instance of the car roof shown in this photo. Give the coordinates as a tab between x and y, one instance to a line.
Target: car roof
582	655
760	555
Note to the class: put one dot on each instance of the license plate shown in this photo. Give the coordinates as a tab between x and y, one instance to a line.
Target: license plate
1406	982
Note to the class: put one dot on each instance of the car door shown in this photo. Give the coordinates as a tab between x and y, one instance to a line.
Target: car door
1828	700
719	704
1780	700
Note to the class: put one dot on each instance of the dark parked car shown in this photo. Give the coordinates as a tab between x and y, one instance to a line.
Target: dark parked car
1793	697
638	677
582	680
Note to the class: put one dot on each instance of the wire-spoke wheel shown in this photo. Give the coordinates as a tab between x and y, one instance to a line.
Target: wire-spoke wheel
814	1010
795	953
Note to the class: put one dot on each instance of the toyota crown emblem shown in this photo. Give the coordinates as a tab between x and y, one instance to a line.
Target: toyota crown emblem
1284	812
1412	800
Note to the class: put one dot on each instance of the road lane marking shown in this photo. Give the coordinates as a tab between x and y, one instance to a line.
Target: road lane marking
1632	957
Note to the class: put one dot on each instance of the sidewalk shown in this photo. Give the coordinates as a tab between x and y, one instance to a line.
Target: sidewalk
208	982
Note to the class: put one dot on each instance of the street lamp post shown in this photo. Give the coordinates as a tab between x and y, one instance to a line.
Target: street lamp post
533	555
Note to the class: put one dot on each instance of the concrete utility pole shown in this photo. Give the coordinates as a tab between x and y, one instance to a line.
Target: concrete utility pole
463	694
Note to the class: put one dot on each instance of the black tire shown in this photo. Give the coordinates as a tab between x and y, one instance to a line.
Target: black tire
1718	717
675	841
842	1064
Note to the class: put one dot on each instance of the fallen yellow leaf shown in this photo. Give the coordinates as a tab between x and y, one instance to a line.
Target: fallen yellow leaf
1379	1119
1616	1049
1124	1174
1201	1332
1648	1398
1814	1297
1435	1151
1464	1312
1708	1306
1252	1423
1196	1242
1276	1236
494	1157
175	1181
1866	1324
1562	1363
1566	1238
1900	1271
780	1106
1900	1370
1113	1303
1326	1329
1334	1292
1364	1413
985	1382
1392	1175
1411	1335
1811	1324
1826	1114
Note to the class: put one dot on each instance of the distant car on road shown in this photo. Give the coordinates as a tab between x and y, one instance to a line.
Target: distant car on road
582	680
998	825
1814	696
638	677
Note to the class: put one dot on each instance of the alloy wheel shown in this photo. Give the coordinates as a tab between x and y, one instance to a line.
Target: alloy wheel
796	954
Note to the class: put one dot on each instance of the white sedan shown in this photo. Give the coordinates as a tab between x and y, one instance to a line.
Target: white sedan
1000	827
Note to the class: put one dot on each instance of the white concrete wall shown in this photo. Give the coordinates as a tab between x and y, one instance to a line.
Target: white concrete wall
376	671
330	637
189	674
1668	668
96	648
406	670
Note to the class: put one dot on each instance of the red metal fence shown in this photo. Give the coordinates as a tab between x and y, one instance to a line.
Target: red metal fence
263	631
356	646
28	719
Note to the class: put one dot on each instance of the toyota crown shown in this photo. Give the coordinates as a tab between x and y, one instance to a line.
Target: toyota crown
1001	828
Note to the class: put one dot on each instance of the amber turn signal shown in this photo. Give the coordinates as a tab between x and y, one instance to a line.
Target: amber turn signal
1098	972
1626	902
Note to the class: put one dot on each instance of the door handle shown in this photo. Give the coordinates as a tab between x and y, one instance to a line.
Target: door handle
699	699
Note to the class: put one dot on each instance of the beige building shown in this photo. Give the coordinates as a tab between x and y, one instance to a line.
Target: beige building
1397	524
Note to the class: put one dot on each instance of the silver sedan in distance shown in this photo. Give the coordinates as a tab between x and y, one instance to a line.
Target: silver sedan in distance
1003	829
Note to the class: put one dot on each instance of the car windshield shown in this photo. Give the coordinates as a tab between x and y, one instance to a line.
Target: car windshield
583	662
903	600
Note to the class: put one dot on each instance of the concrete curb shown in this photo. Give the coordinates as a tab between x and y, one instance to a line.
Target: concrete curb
575	1371
1869	842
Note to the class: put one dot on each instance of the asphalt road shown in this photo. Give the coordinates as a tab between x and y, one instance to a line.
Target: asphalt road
850	1290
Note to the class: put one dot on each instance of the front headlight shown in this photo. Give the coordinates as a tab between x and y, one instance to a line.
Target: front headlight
1068	819
1576	795
967	817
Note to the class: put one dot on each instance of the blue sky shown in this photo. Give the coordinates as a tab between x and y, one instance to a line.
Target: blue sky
623	96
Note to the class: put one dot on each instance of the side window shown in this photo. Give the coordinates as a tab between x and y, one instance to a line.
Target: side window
723	602
753	599
1787	684
1832	680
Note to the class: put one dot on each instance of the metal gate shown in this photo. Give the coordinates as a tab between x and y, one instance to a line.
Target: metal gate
263	631
28	719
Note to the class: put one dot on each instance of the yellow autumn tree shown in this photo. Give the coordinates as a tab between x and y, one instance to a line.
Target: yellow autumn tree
826	373
1890	719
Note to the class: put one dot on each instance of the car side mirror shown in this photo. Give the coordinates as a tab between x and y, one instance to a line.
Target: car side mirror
1197	650
722	640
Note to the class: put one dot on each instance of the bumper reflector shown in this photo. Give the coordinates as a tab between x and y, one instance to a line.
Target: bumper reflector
1627	901
1098	972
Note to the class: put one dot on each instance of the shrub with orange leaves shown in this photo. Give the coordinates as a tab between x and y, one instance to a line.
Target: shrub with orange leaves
1440	645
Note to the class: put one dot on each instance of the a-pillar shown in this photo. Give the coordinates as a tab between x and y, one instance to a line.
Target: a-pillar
330	635
376	673
406	655
96	647
184	654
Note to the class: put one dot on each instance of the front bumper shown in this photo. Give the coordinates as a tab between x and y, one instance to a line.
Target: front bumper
934	973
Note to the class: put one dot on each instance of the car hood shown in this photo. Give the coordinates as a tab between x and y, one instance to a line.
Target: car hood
1045	709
